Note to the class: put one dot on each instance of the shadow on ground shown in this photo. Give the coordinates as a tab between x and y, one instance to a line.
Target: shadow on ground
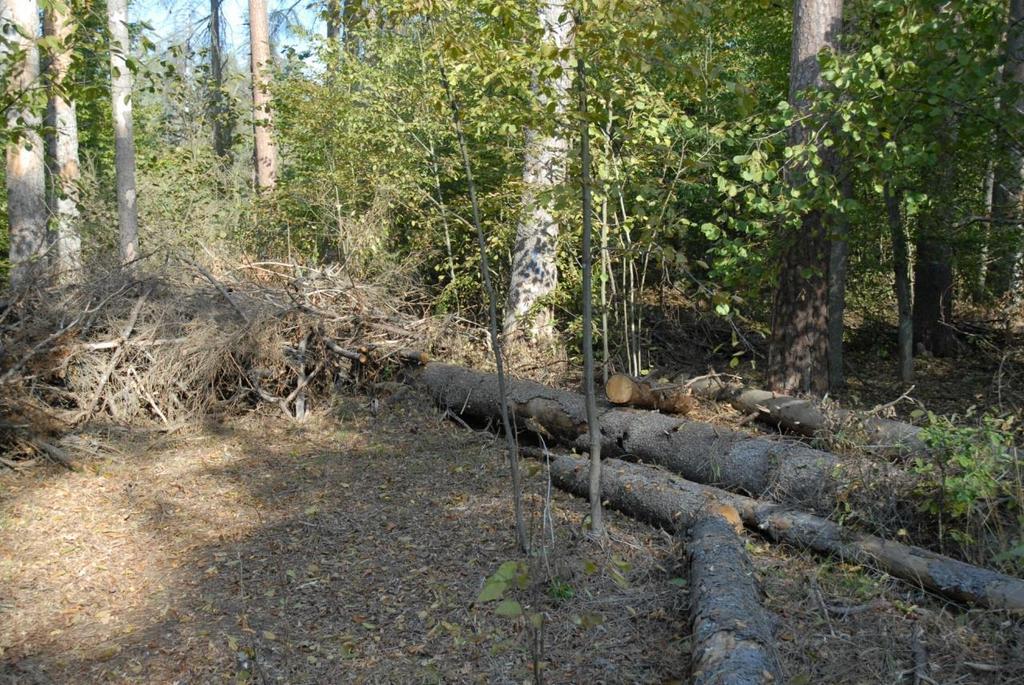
350	549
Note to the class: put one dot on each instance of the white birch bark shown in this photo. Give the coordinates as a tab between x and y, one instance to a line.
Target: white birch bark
26	184
534	265
124	137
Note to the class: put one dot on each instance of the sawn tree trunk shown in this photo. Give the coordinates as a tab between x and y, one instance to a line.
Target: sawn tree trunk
675	504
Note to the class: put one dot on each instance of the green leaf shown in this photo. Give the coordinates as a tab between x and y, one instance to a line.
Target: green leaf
493	590
509	607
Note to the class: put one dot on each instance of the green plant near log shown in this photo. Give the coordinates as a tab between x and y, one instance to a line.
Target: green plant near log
972	479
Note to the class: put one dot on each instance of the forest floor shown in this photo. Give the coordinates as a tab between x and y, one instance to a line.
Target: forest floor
352	548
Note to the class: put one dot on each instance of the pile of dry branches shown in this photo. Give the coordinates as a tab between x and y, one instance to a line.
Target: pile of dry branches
163	347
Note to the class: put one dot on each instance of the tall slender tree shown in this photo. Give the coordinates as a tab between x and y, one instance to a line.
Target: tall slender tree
59	24
593	418
1008	187
221	129
265	151
26	183
121	83
798	353
534	257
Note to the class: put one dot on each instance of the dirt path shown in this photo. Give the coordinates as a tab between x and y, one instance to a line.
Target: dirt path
353	548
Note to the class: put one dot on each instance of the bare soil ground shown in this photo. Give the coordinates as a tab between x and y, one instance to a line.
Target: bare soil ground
352	548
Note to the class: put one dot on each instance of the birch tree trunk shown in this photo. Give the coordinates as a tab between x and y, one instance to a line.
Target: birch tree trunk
534	265
1008	190
67	250
798	353
124	138
265	152
26	184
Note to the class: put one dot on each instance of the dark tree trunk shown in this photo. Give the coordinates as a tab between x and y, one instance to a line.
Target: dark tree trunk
933	268
221	129
901	272
933	297
798	353
1008	191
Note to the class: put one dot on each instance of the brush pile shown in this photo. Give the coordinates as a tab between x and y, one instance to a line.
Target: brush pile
162	348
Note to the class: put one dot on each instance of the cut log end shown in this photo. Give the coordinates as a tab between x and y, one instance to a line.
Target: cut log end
619	389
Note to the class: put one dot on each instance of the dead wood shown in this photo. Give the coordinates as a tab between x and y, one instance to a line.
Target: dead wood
732	631
199	340
645	394
782	470
666	500
809	418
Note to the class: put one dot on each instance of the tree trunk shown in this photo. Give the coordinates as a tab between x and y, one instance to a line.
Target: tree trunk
645	394
675	504
222	133
788	472
124	138
1008	191
805	417
593	421
334	15
838	263
67	249
933	297
798	353
534	257
264	149
933	269
732	631
901	272
26	183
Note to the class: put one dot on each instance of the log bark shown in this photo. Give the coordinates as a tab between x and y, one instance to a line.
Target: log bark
675	504
806	417
785	471
732	631
798	348
121	83
261	64
643	393
26	190
534	256
60	24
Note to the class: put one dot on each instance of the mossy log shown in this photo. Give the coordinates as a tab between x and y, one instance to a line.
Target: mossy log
781	470
676	504
732	631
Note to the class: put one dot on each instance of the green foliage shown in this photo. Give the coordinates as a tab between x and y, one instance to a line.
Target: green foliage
972	477
511	574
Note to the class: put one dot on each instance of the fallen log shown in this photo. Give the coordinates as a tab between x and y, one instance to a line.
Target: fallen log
784	471
635	392
732	631
806	417
673	503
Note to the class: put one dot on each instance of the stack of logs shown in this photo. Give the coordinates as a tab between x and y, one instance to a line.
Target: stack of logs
704	482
